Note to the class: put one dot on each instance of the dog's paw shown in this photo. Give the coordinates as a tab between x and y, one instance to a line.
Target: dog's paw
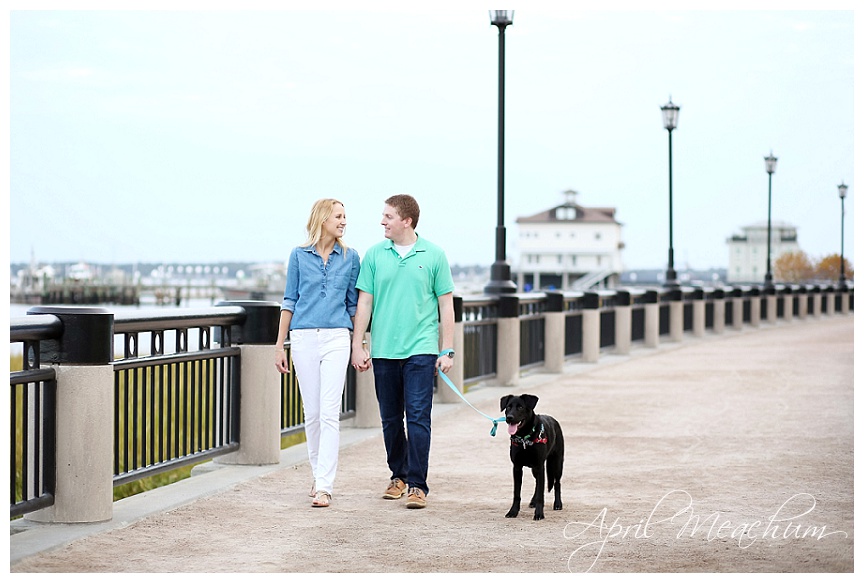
538	512
513	513
557	505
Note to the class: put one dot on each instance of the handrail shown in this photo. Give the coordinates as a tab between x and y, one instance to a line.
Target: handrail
35	327
154	320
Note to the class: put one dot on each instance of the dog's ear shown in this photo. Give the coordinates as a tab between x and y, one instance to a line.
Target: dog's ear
504	400
530	401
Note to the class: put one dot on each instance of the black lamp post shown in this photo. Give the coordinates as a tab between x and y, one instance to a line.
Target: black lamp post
770	166
842	188
670	122
500	281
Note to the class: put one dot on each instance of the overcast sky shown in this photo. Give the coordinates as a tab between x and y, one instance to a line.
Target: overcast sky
205	136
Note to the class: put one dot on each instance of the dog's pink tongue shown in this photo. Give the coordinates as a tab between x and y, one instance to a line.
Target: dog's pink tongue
511	428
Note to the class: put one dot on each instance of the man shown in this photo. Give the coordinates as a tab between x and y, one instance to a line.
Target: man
404	287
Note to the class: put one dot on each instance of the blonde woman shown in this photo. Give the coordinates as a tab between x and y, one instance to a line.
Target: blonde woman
318	313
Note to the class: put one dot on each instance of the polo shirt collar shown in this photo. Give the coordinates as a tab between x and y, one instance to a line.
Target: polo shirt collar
419	244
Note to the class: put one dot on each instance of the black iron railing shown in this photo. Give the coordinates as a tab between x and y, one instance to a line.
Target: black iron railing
32	446
176	394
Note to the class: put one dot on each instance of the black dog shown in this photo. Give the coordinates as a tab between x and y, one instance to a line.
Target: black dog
535	441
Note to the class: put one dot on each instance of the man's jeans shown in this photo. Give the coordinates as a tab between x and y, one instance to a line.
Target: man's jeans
404	391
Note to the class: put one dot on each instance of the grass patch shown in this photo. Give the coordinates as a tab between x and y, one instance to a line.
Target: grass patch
16	363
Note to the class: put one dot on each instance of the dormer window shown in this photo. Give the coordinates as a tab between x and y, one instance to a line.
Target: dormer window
565	213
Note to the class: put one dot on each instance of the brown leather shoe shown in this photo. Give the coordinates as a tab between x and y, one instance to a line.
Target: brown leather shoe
396	489
416	498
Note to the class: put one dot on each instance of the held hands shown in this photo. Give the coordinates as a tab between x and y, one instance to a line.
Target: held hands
360	359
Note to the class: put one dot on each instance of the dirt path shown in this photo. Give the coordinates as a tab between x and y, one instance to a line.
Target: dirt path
730	454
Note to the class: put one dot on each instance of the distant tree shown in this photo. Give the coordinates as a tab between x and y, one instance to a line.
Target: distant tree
793	267
829	268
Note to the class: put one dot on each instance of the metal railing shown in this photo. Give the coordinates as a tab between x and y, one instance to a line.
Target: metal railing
480	318
532	326
572	324
179	405
172	409
32	418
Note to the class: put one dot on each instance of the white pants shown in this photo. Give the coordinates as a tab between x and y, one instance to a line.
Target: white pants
321	358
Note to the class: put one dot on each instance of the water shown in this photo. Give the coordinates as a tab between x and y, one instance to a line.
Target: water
20	310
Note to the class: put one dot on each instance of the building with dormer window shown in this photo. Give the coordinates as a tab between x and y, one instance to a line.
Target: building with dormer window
569	247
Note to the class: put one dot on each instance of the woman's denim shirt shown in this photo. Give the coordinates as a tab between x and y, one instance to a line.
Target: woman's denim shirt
319	295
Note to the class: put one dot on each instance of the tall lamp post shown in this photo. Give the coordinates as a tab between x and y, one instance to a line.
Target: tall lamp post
770	166
842	188
670	122
500	282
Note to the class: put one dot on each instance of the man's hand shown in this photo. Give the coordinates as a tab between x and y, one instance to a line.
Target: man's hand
360	359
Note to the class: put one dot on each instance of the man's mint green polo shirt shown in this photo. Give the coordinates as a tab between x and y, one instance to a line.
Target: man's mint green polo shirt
405	295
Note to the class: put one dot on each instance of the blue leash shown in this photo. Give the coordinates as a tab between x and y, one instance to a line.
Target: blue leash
461	396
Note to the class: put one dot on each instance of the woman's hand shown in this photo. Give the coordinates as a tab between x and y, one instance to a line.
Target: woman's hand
282	361
360	359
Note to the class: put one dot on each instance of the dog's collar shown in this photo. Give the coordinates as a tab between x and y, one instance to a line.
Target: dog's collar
528	440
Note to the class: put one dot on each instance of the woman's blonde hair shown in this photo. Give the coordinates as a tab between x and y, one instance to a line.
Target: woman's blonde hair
321	211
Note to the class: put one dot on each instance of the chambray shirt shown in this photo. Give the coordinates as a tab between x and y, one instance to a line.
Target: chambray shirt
319	295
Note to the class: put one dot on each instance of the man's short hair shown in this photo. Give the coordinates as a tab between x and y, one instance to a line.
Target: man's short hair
406	206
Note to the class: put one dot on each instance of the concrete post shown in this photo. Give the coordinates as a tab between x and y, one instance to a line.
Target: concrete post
737	309
803	303
457	374
788	305
719	311
260	386
844	301
698	302
508	340
591	327
652	319
84	488
771	306
553	345
366	412
676	315
623	322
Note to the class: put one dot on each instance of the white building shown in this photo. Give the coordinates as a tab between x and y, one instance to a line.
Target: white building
748	252
568	247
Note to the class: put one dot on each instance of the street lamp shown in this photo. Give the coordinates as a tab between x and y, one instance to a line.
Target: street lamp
500	281
842	188
770	166
670	122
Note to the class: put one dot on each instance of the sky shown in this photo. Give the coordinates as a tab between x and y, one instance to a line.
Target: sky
203	132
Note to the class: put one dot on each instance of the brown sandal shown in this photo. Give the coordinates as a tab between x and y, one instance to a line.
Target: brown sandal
321	499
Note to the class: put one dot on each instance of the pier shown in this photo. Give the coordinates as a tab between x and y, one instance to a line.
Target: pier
737	412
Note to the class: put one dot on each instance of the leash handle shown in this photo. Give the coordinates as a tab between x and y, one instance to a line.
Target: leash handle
461	396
